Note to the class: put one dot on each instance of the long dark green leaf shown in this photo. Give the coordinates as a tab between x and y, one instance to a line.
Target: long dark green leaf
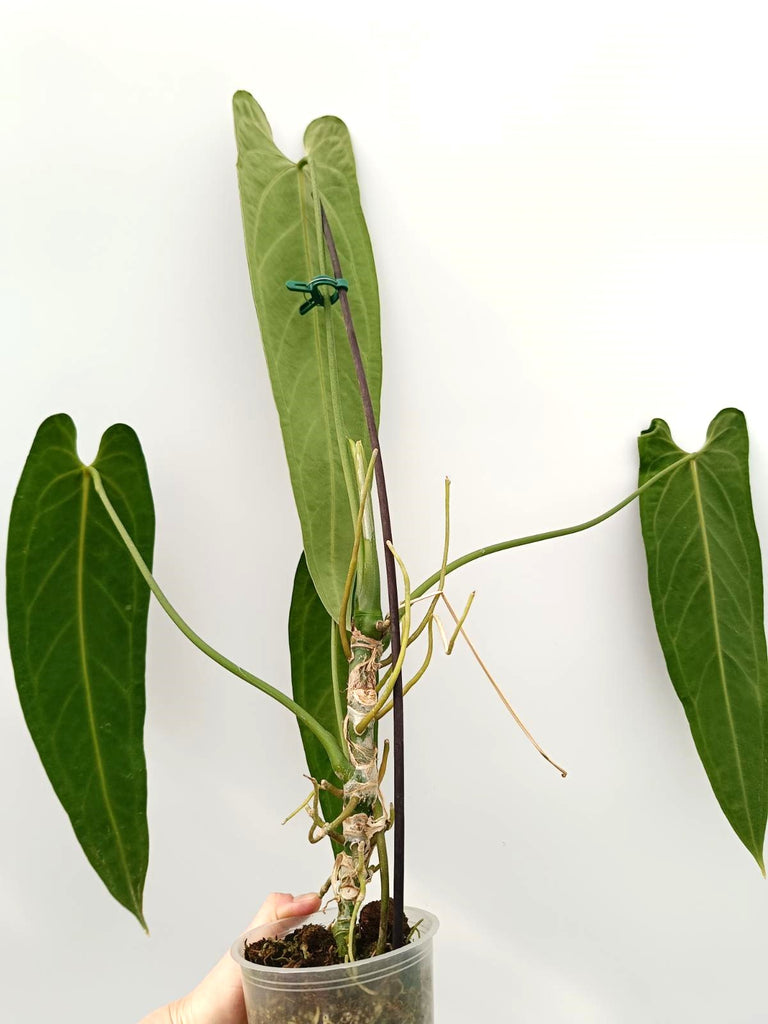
309	636
282	243
77	621
705	576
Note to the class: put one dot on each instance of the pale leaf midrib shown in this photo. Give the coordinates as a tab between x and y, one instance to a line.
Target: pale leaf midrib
328	535
316	533
82	646
718	642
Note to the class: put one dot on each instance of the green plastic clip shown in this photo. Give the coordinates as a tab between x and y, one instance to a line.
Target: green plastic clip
312	288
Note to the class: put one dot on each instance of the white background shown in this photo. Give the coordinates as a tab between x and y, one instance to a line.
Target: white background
569	210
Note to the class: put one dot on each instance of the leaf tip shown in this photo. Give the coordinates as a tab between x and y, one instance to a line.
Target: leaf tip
136	907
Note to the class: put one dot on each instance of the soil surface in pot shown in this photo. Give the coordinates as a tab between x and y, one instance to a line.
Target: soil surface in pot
313	945
390	1000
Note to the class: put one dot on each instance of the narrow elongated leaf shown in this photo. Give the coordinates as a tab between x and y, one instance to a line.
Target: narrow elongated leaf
307	365
77	620
705	577
309	637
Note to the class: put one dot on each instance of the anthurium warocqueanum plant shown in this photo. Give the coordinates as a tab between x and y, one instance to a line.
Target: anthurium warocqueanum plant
80	560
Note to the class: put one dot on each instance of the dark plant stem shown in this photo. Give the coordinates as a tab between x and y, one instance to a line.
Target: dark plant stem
398	873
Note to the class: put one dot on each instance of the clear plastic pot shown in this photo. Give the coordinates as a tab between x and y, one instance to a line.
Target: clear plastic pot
394	988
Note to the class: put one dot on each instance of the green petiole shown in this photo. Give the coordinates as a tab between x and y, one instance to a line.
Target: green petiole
339	763
457	563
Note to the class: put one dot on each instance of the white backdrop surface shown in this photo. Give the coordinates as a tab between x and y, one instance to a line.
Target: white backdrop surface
569	210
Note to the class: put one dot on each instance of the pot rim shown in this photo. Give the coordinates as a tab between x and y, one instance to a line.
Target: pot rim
428	926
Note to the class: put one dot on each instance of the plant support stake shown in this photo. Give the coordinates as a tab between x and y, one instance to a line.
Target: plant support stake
398	874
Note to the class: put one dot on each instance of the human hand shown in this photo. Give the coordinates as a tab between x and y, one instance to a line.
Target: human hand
218	999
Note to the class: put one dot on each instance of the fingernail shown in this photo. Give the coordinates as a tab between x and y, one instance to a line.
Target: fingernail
306	897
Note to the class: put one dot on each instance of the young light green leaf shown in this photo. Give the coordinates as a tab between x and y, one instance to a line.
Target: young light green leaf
330	157
310	367
705	577
310	641
77	622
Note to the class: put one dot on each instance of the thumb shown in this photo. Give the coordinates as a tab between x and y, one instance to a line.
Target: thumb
218	999
279	905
